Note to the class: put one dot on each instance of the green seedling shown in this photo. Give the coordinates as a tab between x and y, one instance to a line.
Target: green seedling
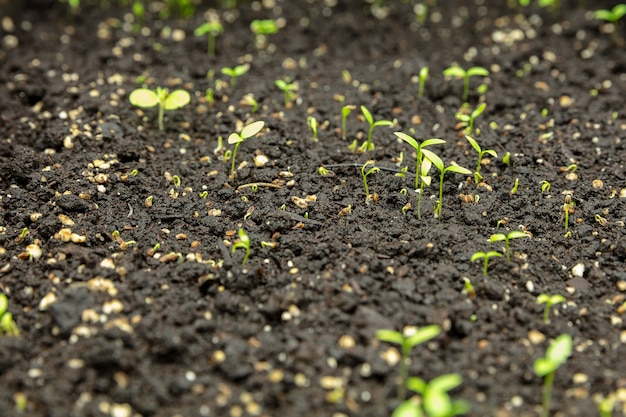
7	325
288	89
311	121
557	353
442	172
345	112
486	256
407	341
545	186
242	243
515	186
251	101
146	98
368	145
481	155
605	407
262	28
421	169
468	288
436	401
513	234
423	75
365	174
549	301
553	4
235	73
212	30
139	12
468	120
602	221
506	159
568	208
238	138
458	72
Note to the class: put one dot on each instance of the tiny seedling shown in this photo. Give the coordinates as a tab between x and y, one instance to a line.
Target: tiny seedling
249	100
486	256
549	301
365	174
467	120
262	28
611	16
423	75
242	243
7	325
506	159
458	72
515	186
513	234
146	98
442	172
436	401
545	186
237	139
288	89
212	30
311	121
345	112
368	145
481	155
557	353
235	73
407	341
568	208
421	169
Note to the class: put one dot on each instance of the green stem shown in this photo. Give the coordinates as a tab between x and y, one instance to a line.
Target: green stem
546	314
486	266
547	394
507	249
440	202
161	111
232	164
211	45
466	89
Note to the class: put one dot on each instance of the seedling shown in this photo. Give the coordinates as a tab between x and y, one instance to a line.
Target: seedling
365	174
436	401
235	73
288	89
242	243
545	186
311	121
513	234
468	120
7	325
423	75
407	341
549	301
146	98
212	30
458	72
421	170
568	208
481	155
506	159
442	170
345	112
368	145
262	28
515	186
557	353
468	288
250	101
611	16
237	139
486	256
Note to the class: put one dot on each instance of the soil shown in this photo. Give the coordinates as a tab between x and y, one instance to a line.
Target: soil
111	324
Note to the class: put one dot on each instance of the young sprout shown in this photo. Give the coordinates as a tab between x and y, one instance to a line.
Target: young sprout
513	234
515	186
345	112
365	174
368	145
311	121
458	72
557	353
211	29
549	301
436	401
262	28
423	75
419	160
468	288
442	170
242	243
605	408
468	120
249	100
545	186
486	256
7	325
481	155
235	73
237	139
146	98
568	208
288	89
407	341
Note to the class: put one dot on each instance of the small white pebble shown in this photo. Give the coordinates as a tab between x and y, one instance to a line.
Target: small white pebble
578	270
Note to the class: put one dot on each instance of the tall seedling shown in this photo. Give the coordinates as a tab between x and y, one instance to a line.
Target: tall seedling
238	138
369	145
146	98
458	72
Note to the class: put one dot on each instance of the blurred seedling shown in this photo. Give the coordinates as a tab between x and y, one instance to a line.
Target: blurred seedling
345	112
611	16
467	120
556	354
311	121
238	138
486	256
7	324
481	154
458	72
365	174
568	208
513	234
545	186
407	340
549	301
261	29
368	145
288	88
212	30
234	73
242	243
436	401
423	75
146	98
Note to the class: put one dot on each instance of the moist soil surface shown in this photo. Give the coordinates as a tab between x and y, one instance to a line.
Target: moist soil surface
135	303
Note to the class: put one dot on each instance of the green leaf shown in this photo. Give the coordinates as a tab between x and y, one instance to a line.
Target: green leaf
433	158
407	409
416	384
477	255
474	144
560	349
4	304
423	334
446	382
454	71
143	97
458	169
543	298
544	366
252	129
514	234
367	115
477	71
408	139
390	336
281	84
234	138
426	165
433	141
497	237
177	99
491	152
383	123
437	403
479	110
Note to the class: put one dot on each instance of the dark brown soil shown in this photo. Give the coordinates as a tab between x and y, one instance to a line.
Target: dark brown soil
108	328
